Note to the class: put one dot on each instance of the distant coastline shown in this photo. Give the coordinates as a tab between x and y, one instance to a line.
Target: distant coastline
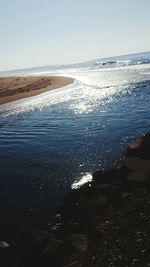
15	88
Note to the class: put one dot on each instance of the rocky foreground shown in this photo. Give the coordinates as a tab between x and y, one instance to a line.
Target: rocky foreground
104	223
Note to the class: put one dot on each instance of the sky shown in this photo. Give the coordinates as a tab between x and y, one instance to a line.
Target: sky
46	32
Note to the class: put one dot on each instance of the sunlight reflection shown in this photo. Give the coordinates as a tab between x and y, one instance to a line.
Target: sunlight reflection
91	89
85	179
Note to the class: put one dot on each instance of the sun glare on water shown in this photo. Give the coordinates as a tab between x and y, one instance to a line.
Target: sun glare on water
85	179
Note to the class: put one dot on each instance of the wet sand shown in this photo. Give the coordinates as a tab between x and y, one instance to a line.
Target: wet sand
15	88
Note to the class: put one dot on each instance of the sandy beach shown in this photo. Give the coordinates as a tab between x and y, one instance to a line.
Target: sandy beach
14	88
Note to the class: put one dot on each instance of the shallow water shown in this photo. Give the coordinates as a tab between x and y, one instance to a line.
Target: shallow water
50	141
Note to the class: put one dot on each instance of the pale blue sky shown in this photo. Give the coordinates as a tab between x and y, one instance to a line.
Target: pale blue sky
42	32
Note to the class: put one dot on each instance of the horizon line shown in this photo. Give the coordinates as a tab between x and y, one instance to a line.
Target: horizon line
76	62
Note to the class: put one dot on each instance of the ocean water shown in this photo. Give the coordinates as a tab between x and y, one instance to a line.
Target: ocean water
53	142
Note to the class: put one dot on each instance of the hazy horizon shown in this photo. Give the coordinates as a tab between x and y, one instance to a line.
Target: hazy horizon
69	63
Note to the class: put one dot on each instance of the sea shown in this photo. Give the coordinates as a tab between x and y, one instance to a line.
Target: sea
53	142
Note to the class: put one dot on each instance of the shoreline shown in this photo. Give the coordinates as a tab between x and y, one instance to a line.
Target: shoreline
16	88
105	222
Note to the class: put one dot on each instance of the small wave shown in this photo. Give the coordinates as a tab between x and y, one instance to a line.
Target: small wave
121	63
113	63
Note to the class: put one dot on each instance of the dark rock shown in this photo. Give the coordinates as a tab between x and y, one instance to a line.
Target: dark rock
139	177
104	177
52	247
125	195
73	264
103	227
79	242
140	148
100	204
41	237
134	148
139	170
138	165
